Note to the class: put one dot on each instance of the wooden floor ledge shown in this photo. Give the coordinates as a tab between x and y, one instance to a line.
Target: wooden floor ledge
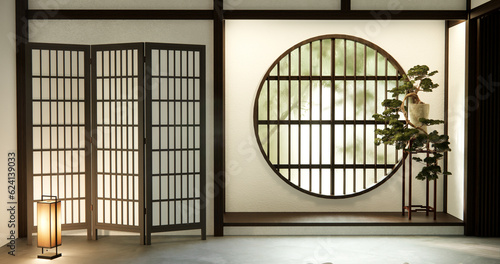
338	219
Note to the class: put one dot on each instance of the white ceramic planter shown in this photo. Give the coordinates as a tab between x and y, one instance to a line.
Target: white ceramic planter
417	111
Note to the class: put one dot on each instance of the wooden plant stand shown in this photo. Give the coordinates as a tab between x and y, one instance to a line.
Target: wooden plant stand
413	207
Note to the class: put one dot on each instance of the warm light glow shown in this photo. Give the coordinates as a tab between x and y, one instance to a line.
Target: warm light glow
49	221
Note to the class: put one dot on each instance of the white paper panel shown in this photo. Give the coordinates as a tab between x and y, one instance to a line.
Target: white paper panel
407	5
282	4
121	4
456	120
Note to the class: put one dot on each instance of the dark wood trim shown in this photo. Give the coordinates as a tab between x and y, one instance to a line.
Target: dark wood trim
482	214
177	227
345	5
341	224
219	120
203	141
484	9
471	133
340	14
246	14
22	38
255	219
88	146
121	14
148	179
452	23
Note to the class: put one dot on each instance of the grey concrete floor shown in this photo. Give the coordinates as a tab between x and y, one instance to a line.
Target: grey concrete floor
272	250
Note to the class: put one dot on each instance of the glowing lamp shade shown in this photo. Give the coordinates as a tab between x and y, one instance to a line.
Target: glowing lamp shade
49	226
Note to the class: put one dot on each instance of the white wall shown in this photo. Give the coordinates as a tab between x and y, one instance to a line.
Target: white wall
282	4
102	32
8	131
476	3
408	5
251	48
456	122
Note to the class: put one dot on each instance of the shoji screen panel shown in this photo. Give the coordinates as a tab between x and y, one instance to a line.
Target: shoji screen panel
175	137
118	137
58	98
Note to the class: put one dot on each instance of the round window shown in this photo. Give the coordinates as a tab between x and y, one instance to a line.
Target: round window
313	116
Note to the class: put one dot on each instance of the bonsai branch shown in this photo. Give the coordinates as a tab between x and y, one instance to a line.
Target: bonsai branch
406	135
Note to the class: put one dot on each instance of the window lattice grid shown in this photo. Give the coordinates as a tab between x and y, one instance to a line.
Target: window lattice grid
314	116
176	80
58	103
118	85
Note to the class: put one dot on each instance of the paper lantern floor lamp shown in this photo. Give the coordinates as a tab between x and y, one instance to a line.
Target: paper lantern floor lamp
49	226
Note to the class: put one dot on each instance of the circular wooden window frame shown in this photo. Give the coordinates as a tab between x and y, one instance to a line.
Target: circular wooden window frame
375	47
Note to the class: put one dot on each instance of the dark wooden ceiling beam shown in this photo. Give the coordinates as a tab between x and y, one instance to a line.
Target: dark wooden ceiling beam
345	15
484	9
452	23
248	14
122	14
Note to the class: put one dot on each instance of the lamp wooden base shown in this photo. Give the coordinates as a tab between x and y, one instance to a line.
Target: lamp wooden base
49	255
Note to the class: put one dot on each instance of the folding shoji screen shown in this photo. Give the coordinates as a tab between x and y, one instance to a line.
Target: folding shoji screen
175	164
88	142
58	96
118	174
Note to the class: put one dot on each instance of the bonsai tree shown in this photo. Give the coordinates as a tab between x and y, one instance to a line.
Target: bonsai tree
408	135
